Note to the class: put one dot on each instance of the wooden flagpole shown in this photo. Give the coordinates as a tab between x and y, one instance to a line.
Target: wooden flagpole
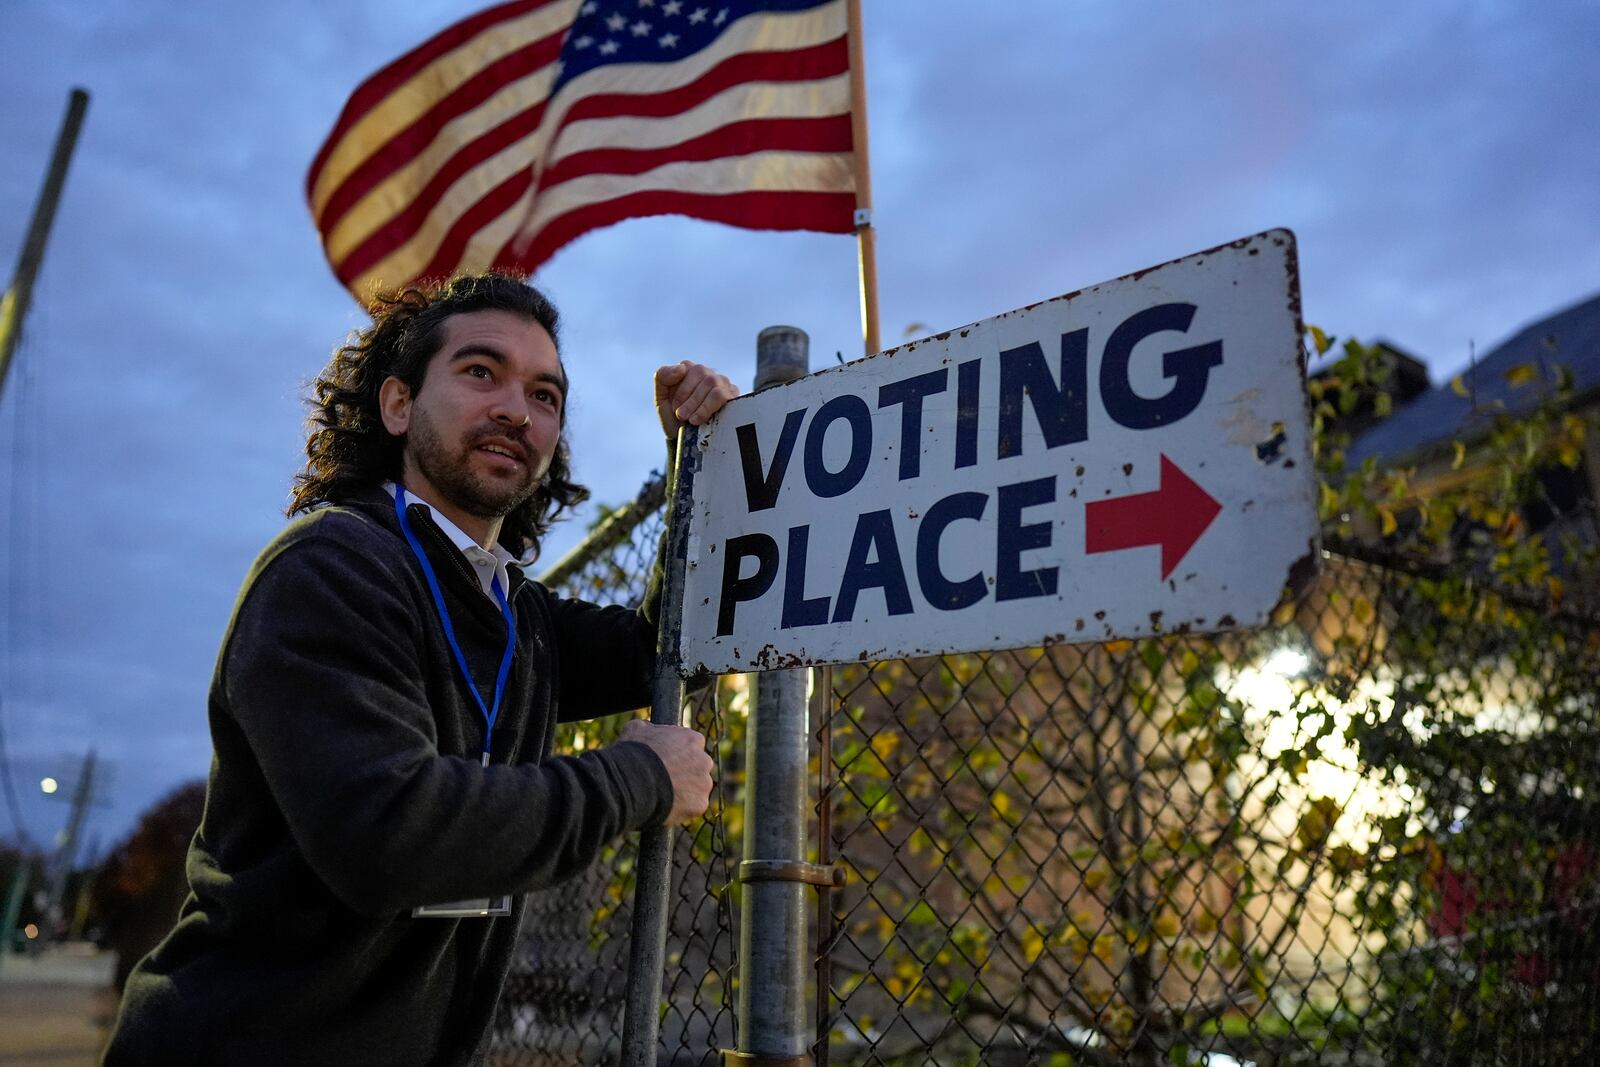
866	236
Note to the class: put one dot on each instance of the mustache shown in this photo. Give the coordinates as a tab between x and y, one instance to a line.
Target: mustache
513	437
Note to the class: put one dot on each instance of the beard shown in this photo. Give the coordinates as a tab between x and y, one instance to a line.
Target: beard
450	470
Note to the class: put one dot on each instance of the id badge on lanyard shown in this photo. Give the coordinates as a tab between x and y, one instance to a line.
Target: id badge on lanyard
479	907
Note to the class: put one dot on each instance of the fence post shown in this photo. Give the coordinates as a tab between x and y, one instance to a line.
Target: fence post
652	894
773	939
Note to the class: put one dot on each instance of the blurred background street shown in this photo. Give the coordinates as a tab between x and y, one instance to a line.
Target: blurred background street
55	1007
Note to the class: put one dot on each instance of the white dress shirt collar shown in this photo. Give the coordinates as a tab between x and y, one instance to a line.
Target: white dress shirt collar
488	564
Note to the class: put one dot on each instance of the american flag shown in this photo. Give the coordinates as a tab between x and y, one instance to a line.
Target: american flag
516	130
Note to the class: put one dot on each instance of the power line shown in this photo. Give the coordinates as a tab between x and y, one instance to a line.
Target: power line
15	808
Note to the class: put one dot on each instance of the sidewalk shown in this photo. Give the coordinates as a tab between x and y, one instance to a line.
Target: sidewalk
55	1008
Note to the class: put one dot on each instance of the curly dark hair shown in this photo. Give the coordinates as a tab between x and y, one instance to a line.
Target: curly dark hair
348	448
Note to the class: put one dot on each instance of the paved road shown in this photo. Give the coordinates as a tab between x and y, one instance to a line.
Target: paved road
55	1008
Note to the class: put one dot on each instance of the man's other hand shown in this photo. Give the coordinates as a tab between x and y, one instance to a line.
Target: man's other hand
689	393
684	752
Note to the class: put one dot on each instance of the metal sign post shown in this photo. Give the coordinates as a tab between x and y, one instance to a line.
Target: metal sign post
1127	460
773	936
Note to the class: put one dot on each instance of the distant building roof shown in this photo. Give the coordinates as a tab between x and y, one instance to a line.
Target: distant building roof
1568	338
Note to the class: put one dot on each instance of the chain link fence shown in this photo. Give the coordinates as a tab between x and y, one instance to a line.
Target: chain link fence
563	1002
1365	834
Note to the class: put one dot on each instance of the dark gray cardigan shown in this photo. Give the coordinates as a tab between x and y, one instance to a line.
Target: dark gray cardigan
346	788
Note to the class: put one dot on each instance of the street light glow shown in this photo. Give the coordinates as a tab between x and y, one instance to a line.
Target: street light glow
48	785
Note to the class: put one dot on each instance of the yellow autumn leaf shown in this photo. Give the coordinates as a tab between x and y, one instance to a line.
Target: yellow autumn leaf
1386	518
1167	924
1458	385
1094	877
1000	802
1460	457
1520	375
1319	339
885	743
1117	648
1330	499
1032	944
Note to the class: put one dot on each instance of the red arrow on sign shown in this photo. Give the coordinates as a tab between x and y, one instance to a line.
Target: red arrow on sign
1173	516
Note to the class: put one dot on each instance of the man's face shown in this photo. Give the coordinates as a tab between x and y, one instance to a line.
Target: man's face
480	432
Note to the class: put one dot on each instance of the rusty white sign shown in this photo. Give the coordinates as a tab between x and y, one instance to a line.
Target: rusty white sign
1127	460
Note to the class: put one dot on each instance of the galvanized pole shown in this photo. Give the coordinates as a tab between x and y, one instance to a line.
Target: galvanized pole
773	939
14	305
641	1019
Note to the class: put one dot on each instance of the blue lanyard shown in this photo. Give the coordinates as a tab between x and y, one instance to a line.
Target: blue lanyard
489	713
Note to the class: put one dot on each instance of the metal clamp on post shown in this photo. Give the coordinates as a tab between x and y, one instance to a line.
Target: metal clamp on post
730	1058
790	871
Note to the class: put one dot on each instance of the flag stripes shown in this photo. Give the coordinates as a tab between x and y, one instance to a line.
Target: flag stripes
472	151
455	123
735	139
750	210
762	100
401	93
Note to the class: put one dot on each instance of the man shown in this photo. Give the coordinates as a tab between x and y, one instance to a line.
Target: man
384	704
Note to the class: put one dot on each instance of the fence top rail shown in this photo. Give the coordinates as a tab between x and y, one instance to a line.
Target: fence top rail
611	530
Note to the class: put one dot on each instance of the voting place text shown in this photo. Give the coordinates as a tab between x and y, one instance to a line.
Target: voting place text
1126	460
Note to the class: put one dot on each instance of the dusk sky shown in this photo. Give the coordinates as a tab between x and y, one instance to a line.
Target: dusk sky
1439	162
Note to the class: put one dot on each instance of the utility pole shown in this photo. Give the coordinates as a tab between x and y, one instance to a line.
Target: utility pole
80	910
13	908
14	305
13	309
61	866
